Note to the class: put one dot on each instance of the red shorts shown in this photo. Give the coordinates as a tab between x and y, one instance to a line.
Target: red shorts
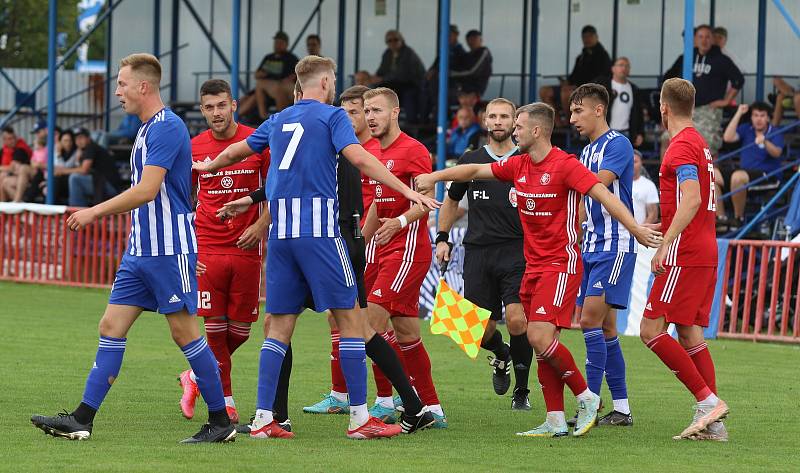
230	287
683	295
370	275
397	284
550	297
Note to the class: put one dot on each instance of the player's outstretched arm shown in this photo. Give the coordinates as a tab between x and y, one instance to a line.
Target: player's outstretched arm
145	191
687	209
229	156
369	165
617	209
460	173
390	226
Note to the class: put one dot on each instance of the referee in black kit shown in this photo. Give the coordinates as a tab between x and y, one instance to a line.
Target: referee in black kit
494	263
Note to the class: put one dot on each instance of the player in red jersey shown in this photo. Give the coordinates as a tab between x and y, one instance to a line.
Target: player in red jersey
229	249
549	185
686	265
402	253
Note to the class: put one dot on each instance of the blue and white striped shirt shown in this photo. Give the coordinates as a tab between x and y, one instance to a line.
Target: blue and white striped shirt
164	226
613	152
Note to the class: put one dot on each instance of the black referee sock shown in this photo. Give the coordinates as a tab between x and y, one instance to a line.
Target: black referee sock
521	355
379	351
219	417
495	345
280	408
84	413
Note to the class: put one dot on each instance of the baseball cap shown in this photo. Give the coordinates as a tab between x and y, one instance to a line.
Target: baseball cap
81	131
40	125
454	29
281	35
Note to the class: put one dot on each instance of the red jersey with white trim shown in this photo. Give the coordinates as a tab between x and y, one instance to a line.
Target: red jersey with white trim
406	158
373	146
215	236
696	245
548	196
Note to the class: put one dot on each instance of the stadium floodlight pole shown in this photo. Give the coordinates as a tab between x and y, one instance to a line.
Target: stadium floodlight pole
51	100
761	48
236	19
444	69
688	38
340	48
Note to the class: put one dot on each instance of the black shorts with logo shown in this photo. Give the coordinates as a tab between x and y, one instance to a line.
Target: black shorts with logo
493	275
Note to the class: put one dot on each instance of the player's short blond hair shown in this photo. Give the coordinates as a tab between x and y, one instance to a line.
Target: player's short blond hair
145	66
313	66
503	101
386	92
679	95
541	112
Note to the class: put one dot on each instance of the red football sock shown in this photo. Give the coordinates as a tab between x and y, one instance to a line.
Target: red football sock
237	335
382	383
338	382
217	337
559	357
419	366
552	386
676	359
704	364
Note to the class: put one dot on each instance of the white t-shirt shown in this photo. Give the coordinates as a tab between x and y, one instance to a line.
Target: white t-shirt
644	193
621	108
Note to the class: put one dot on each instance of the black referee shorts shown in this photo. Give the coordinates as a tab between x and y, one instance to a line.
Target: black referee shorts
493	275
356	247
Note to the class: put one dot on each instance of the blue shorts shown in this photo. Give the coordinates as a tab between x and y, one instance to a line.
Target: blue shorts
302	267
163	284
610	274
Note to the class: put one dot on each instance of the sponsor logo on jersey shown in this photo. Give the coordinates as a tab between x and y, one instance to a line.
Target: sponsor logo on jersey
530	204
378	191
522	180
512	197
541	310
390	164
545	179
595	157
227	182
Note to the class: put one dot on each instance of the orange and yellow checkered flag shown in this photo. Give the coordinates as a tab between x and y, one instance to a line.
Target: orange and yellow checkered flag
459	319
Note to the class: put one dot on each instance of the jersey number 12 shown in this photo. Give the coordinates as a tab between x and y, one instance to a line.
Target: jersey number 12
288	156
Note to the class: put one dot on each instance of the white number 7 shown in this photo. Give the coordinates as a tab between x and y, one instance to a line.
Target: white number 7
297	132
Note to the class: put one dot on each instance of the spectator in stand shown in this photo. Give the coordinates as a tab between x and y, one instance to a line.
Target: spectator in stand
15	170
625	112
762	154
721	41
362	78
66	160
466	99
402	71
274	78
95	178
712	71
475	69
455	56
125	132
459	139
33	193
645	194
313	45
481	138
592	62
786	98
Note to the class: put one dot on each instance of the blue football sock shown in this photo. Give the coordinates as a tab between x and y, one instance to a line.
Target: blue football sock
105	370
269	369
353	359
595	358
615	369
206	370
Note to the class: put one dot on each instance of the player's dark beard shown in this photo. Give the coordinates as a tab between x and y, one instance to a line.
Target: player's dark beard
499	139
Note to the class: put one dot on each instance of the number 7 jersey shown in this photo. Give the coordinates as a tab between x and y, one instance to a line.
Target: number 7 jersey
304	141
696	245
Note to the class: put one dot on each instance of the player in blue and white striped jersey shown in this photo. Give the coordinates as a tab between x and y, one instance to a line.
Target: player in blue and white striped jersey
157	272
609	250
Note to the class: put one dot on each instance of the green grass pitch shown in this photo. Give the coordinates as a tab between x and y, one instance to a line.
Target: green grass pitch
49	337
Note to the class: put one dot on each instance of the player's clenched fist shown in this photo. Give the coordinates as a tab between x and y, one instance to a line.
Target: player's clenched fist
81	218
425	182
